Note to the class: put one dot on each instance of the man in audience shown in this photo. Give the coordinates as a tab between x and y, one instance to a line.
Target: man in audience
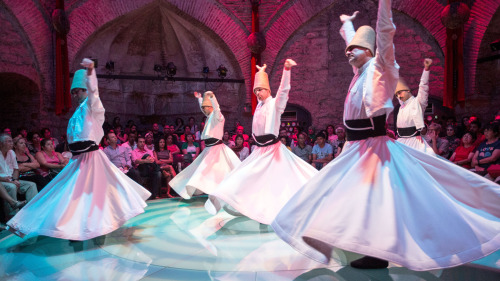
302	149
438	145
47	134
118	155
145	167
156	132
475	127
9	174
338	144
322	152
240	131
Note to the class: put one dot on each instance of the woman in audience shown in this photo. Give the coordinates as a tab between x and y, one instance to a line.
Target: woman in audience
116	122
463	153
171	146
240	150
149	141
187	131
179	126
488	152
34	146
122	138
164	159
330	134
452	139
28	164
226	140
51	162
190	147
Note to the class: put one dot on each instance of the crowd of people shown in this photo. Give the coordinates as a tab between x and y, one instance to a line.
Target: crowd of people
153	157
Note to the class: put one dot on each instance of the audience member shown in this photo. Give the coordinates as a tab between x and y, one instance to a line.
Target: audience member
463	127
179	126
452	139
121	137
192	125
9	175
463	154
475	127
118	155
34	145
187	131
311	133
439	145
47	134
240	130
190	147
240	149
331	136
488	152
51	162
338	145
302	149
28	165
226	140
116	122
283	140
23	132
145	167
150	141
322	152
156	132
131	144
171	146
164	159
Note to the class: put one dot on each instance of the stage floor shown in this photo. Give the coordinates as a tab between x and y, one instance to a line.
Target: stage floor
178	240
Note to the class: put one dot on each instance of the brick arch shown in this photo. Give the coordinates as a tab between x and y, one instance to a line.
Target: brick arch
17	14
87	17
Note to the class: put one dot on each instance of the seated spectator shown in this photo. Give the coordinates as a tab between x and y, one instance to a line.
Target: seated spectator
190	147
150	141
192	125
133	129
331	136
295	134
338	145
28	165
23	132
302	149
311	133
9	176
463	153
240	149
131	144
51	162
171	145
475	127
283	140
322	152
251	144
226	140
488	152
155	130
13	203
463	127
121	137
164	159
118	155
145	167
187	131
34	144
452	139
47	134
439	145
128	126
179	126
240	131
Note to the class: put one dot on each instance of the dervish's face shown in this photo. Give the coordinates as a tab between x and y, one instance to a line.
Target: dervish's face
207	109
262	93
357	56
403	95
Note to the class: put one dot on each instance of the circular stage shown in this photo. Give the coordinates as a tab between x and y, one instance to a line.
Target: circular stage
178	240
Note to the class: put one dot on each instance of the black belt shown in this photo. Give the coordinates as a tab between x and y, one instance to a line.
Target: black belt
408	132
212	142
80	147
265	140
378	125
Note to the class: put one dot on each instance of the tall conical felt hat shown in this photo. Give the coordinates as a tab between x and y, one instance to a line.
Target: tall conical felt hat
402	86
261	79
206	98
79	80
364	37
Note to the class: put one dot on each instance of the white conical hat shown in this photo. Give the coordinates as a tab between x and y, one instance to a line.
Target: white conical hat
206	98
364	37
79	80
261	79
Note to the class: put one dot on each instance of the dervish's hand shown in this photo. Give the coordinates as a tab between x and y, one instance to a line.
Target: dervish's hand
427	63
289	63
197	95
344	18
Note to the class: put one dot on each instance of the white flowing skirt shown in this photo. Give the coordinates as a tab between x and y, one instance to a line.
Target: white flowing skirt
206	172
387	200
90	197
261	185
418	143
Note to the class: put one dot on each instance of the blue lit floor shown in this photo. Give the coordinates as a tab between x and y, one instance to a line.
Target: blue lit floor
179	240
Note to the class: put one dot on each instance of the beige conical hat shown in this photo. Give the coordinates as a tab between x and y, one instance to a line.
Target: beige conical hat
79	80
364	37
402	86
206	98
261	79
